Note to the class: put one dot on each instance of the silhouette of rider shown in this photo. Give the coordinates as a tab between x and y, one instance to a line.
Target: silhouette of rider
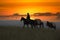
28	16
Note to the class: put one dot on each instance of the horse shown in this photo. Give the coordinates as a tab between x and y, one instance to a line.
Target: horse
31	22
40	23
28	22
51	25
24	21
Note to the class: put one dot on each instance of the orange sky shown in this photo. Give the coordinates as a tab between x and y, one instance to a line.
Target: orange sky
8	7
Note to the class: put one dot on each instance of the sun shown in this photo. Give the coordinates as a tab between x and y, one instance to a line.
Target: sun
28	9
35	9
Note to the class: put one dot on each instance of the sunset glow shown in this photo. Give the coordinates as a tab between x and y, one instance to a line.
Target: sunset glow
9	7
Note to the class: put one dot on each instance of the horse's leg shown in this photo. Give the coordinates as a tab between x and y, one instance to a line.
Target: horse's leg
35	26
42	25
38	26
27	25
55	27
23	26
31	26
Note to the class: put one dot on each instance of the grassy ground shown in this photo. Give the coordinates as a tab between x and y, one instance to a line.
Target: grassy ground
16	33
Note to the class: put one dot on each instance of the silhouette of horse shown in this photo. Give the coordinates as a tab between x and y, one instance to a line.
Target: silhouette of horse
24	21
33	23
40	23
51	25
28	22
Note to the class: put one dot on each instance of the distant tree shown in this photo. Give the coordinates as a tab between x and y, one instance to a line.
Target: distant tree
15	14
58	13
43	14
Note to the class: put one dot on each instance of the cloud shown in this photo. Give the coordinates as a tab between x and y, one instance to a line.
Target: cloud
43	14
47	14
58	15
30	4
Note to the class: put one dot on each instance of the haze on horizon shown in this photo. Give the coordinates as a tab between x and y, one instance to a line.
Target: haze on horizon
9	7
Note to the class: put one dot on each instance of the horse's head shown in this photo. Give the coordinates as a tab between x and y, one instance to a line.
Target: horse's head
48	22
22	18
38	20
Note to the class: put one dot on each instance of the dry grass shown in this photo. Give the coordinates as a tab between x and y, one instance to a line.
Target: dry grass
16	33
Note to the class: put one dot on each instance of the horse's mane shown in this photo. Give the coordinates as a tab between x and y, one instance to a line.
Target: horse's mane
22	18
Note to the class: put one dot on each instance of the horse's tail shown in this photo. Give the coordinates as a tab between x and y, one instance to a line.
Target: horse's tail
42	24
47	23
54	25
